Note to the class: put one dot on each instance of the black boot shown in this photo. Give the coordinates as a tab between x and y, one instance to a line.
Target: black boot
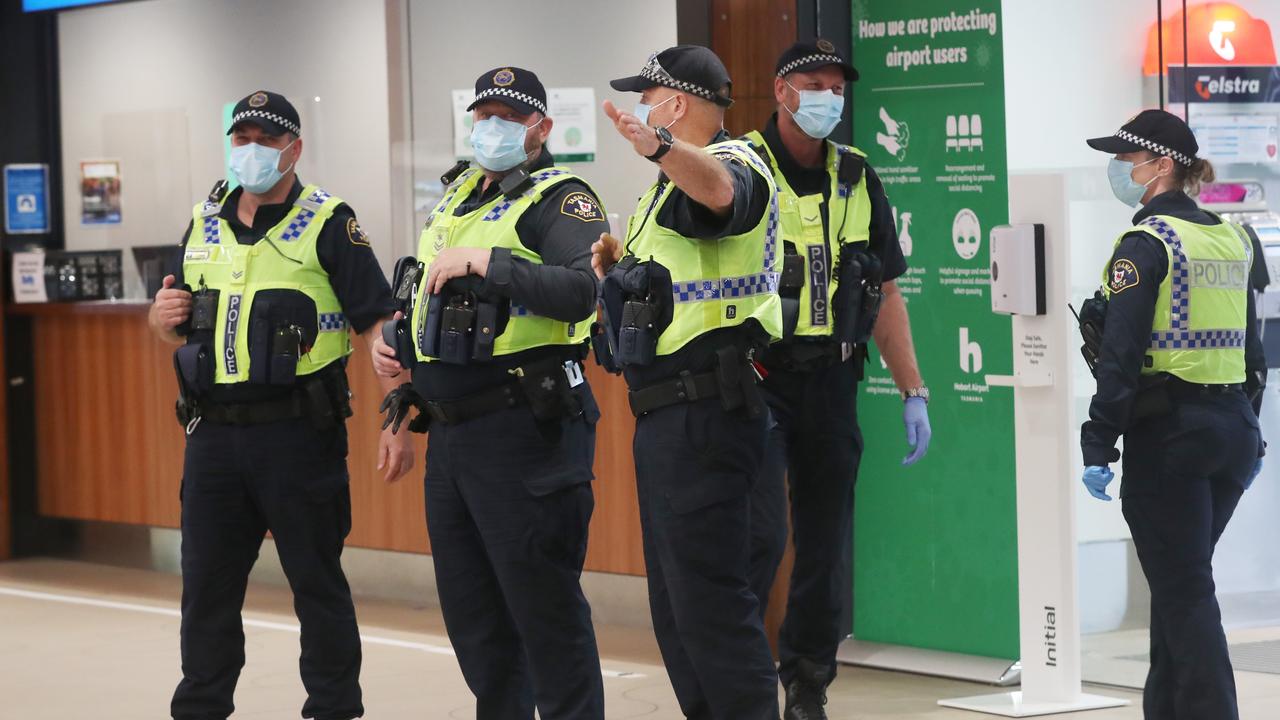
807	693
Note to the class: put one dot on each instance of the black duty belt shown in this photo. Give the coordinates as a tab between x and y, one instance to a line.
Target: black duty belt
485	402
802	356
290	407
1182	389
686	387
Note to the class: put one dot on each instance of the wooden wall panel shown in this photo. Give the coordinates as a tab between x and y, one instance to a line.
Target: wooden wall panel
749	35
110	449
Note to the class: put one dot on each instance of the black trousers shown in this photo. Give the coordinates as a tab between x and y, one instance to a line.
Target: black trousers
1184	473
814	450
237	484
695	465
509	503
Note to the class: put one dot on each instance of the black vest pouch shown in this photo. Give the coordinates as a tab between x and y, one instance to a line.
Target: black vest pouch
194	365
857	299
638	308
789	286
462	324
283	326
846	303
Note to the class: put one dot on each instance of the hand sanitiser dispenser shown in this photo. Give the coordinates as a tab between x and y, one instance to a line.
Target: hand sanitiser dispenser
1017	269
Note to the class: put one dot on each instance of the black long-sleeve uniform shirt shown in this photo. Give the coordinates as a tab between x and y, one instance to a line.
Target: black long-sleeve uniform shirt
560	228
683	215
345	254
1143	263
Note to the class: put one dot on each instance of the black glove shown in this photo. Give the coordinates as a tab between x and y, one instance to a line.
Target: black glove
397	404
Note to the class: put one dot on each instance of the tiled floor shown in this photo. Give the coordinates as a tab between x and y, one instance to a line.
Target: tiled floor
88	641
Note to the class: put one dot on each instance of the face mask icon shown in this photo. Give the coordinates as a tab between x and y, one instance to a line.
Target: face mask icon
966	234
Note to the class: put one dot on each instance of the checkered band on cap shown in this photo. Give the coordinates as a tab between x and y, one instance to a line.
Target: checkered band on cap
277	119
514	95
1155	147
807	59
653	72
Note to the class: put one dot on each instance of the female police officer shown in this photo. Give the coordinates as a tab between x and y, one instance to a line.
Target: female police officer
1171	374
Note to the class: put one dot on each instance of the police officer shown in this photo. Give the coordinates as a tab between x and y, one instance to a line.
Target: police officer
1179	356
274	275
841	257
496	336
692	300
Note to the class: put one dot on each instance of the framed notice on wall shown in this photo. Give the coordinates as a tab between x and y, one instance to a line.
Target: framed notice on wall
100	192
26	193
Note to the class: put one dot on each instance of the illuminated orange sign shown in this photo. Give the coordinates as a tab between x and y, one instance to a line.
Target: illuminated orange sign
1218	33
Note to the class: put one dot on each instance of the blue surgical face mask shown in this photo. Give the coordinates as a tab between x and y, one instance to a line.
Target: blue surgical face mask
499	144
257	167
1127	191
818	113
642	111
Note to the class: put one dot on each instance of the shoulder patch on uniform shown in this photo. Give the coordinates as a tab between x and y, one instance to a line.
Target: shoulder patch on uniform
1124	275
730	156
356	234
582	206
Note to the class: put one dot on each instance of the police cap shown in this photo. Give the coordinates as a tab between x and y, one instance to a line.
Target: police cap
269	111
1157	131
806	56
514	87
688	68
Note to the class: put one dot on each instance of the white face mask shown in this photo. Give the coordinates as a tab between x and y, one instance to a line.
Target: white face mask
1126	189
257	167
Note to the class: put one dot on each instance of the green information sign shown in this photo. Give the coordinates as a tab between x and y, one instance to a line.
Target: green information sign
936	544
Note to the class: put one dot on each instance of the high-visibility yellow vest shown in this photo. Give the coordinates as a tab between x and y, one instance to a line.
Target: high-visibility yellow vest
848	221
715	283
1198	333
493	225
286	259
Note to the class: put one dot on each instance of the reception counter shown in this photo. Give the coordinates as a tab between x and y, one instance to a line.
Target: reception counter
110	449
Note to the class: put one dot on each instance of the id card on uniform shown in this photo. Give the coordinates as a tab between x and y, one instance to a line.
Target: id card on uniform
573	371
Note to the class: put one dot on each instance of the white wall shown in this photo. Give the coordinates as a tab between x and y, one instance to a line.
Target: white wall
575	43
145	83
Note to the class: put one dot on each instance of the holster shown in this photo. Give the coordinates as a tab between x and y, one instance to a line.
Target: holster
737	382
399	337
1152	399
193	366
546	388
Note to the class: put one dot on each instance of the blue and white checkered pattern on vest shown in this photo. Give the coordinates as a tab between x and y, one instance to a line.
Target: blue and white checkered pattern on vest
497	211
306	214
209	227
746	285
292	231
332	322
1180	336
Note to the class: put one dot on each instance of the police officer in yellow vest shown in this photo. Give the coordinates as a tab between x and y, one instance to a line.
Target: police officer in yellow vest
495	337
1179	357
691	302
274	277
840	260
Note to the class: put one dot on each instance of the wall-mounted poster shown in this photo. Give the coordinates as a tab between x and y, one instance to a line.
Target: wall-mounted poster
100	192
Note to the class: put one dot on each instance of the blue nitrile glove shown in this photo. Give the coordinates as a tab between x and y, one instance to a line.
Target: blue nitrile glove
915	415
1096	478
1253	474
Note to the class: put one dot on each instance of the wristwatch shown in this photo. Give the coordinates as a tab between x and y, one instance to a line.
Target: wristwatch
921	392
664	144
